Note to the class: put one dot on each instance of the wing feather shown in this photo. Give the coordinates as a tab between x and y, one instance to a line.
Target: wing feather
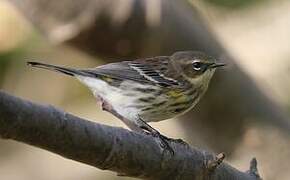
149	70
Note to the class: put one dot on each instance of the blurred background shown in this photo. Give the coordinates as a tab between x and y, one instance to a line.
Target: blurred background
245	113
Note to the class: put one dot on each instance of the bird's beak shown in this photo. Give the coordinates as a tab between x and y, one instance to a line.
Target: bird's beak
215	65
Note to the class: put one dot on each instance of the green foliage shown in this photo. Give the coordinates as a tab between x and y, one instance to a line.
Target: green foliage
17	54
233	4
6	58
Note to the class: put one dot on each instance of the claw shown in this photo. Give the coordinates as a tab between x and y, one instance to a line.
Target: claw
163	142
162	139
180	141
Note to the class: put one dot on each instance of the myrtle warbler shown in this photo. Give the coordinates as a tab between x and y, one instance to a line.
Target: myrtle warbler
146	90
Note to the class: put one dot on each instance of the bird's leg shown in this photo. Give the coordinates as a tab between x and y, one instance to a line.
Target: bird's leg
107	107
150	130
140	126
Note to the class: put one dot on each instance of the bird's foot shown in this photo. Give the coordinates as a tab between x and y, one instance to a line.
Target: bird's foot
163	142
179	141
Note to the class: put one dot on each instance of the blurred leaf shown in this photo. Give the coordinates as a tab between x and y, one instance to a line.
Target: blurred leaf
234	4
6	58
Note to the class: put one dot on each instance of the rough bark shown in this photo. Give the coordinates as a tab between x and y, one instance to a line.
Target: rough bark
110	148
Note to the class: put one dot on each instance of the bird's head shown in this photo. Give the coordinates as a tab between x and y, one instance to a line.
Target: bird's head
195	66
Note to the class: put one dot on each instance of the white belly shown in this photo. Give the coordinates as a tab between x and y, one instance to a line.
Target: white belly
123	98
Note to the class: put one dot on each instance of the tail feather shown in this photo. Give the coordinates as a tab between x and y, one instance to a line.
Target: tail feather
67	71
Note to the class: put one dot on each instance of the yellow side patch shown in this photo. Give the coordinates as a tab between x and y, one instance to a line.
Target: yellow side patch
178	95
174	93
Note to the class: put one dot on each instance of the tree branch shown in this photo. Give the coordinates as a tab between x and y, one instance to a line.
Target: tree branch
106	147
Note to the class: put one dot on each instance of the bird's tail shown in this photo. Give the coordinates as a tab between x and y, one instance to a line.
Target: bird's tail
67	71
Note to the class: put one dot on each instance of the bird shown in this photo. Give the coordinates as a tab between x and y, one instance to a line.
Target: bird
147	89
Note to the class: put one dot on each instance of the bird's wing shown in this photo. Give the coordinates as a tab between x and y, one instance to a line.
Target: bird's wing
150	70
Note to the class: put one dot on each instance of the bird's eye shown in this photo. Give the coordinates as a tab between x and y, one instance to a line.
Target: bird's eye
197	65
